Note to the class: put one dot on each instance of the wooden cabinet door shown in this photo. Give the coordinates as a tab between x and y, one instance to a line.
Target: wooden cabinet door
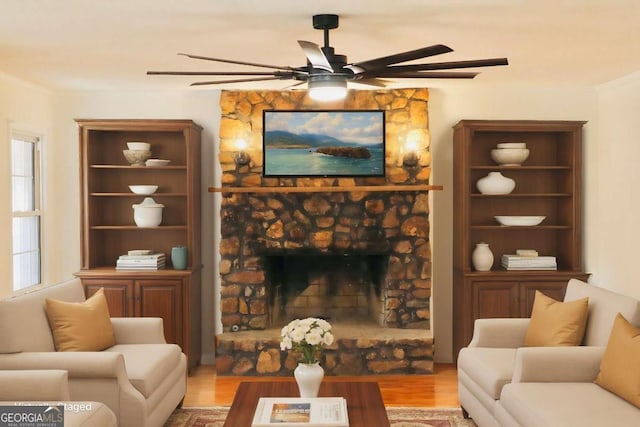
528	290
495	299
162	298
119	294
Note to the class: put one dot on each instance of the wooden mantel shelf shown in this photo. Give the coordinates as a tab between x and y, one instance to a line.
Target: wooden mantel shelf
354	188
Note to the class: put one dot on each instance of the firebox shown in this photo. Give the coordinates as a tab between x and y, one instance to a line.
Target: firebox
337	287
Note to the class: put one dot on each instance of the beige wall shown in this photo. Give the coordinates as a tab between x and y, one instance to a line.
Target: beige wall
27	108
611	155
614	236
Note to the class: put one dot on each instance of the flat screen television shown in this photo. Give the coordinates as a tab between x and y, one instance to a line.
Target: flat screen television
323	143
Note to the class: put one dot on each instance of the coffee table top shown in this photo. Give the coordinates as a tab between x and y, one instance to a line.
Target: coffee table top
364	401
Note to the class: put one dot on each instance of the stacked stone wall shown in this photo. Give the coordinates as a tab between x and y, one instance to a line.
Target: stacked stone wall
396	222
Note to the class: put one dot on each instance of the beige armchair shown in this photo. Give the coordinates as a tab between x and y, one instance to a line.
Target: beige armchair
496	360
142	379
51	387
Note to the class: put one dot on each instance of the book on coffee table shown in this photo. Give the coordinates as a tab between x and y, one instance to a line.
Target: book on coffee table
301	412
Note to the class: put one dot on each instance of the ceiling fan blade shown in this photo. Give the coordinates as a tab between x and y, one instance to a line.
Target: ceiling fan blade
209	73
410	55
215	82
371	82
291	86
443	65
231	61
315	55
429	75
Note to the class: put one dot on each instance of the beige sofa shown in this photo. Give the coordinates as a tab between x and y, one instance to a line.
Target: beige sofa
142	379
50	387
502	383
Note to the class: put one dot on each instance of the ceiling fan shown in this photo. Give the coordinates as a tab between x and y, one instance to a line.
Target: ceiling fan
327	73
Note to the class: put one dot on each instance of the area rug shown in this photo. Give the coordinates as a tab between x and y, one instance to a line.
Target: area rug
398	417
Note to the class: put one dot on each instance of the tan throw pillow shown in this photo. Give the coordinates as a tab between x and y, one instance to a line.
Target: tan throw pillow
81	326
555	323
619	367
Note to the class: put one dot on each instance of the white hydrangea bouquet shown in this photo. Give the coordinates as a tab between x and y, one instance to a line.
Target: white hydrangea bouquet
306	336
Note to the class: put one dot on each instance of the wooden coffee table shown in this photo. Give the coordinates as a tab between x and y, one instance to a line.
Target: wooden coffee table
364	401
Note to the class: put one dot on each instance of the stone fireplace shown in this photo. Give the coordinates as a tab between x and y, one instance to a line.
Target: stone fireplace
272	235
360	259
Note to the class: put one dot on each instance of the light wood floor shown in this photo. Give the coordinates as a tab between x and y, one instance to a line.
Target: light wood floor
205	388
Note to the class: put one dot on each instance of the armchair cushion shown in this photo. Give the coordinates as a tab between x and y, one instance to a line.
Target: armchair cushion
563	404
33	385
27	309
491	368
619	369
499	333
555	323
145	373
80	326
47	387
604	305
138	330
557	364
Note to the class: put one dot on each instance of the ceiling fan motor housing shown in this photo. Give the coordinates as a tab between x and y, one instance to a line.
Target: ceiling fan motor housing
325	21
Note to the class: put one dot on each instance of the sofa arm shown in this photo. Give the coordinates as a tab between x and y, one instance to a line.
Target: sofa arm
78	364
557	364
138	330
502	333
33	385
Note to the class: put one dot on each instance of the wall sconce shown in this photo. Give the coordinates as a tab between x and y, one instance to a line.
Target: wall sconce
241	157
411	156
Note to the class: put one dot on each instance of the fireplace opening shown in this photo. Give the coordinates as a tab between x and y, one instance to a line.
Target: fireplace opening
337	287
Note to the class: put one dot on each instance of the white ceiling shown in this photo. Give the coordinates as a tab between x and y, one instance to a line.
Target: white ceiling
110	44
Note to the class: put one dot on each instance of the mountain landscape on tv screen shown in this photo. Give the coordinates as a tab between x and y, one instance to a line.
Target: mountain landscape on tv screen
284	139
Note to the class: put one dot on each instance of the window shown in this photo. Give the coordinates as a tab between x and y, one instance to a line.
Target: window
27	216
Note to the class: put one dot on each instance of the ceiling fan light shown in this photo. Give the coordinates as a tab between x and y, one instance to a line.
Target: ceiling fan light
324	91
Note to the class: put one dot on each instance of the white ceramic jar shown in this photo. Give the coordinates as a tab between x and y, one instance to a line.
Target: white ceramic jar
495	183
482	257
148	213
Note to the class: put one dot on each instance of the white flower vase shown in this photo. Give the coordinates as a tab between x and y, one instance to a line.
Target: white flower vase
482	257
308	376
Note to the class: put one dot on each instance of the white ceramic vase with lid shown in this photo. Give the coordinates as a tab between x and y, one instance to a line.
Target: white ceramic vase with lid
148	213
495	183
482	257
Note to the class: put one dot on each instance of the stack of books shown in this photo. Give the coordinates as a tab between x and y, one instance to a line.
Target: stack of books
137	260
526	261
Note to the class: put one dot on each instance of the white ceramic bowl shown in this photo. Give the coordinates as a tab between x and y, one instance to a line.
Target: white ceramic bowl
137	145
148	213
157	162
509	156
143	189
512	145
136	157
495	183
519	220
